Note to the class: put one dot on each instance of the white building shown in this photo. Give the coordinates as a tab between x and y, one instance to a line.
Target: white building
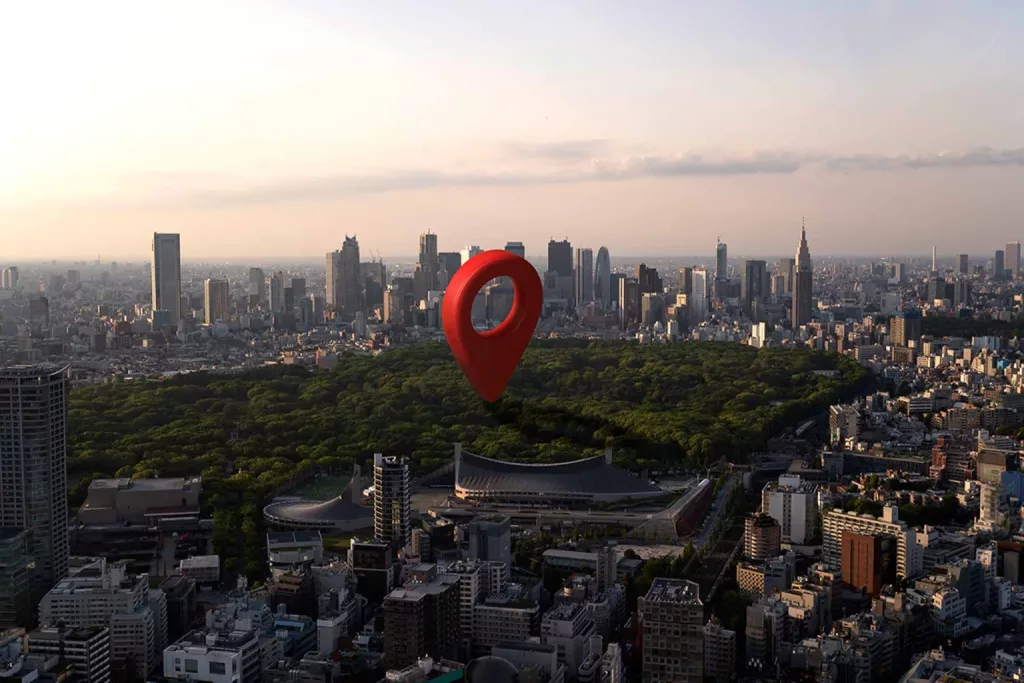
909	553
568	627
214	657
201	568
794	505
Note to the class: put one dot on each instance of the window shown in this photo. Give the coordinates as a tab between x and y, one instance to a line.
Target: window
218	668
191	666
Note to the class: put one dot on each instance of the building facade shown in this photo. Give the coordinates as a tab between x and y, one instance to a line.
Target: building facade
166	275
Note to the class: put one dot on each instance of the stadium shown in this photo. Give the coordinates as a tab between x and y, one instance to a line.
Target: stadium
577	483
343	513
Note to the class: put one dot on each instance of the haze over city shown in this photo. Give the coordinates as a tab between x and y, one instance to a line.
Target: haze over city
271	129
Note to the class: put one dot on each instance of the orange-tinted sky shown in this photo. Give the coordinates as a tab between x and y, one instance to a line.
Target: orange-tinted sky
260	129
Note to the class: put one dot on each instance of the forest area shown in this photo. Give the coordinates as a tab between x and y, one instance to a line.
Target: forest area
250	435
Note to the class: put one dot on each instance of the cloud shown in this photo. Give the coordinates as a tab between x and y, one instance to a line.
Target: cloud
566	150
226	191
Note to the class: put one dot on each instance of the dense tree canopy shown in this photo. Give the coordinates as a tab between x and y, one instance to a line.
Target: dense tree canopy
251	435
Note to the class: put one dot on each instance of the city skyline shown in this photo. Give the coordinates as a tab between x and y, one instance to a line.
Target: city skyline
656	128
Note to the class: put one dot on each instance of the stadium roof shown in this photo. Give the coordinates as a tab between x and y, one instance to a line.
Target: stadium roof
589	475
328	512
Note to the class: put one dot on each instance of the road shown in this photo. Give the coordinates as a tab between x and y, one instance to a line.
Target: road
717	512
715	561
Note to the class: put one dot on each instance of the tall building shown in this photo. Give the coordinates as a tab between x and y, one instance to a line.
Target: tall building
999	264
516	248
428	263
719	652
217	302
469	252
1013	258
39	317
33	460
277	292
87	650
603	293
490	540
584	275
935	265
16	605
686	280
560	258
9	278
257	287
450	262
802	283
786	267
794	505
909	553
721	261
754	285
629	302
166	274
422	618
672	624
762	537
868	560
298	288
391	504
697	300
905	327
962	264
344	284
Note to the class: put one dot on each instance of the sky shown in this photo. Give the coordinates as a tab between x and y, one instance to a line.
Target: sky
262	128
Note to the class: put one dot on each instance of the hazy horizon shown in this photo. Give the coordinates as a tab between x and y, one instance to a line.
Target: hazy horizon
649	127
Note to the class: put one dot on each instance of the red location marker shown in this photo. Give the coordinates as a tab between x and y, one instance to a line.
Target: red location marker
489	358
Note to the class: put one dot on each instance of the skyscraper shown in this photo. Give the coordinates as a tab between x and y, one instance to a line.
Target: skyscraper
584	275
686	280
697	300
1013	258
166	274
391	503
962	264
277	292
450	262
9	279
469	252
672	618
785	269
516	248
721	261
999	264
935	265
217	302
344	285
33	458
560	258
257	286
802	282
603	279
753	288
428	262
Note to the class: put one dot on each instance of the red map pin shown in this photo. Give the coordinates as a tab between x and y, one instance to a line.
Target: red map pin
489	358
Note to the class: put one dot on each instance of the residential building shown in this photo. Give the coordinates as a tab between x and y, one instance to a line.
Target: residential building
391	501
868	561
762	537
719	652
421	619
909	553
672	623
793	503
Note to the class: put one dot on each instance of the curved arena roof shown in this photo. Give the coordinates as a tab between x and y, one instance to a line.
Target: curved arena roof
338	513
587	479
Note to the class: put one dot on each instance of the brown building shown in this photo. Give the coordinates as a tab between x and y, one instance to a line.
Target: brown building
422	619
869	561
762	537
140	501
672	622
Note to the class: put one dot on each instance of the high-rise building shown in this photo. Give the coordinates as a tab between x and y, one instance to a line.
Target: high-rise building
999	264
257	287
935	265
868	560
344	284
277	292
298	288
39	317
16	605
516	248
686	280
909	553
560	258
166	274
962	264
697	300
469	252
584	275
422	618
905	327
9	278
428	263
629	302
33	458
391	503
603	293
672	623
762	537
217	301
450	262
802	283
793	503
721	261
87	650
785	269
1013	258
648	279
490	540
719	652
753	287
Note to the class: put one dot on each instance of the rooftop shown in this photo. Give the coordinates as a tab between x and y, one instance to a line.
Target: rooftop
226	641
294	537
142	485
673	590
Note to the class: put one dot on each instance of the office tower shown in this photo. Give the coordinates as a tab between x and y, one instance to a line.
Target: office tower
752	285
344	284
33	457
217	301
105	596
298	287
721	261
257	287
516	248
909	553
603	293
935	266
962	264
9	279
961	293
697	300
1013	259
719	652
428	263
87	650
899	271
450	262
568	627
648	280
672	623
74	277
802	283
868	561
762	537
277	292
999	264
937	289
166	274
629	302
560	258
422	618
785	269
39	317
686	280
469	252
584	275
905	327
490	540
391	521
794	505
16	605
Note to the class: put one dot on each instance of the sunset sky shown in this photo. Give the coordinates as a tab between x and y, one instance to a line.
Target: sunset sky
260	129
